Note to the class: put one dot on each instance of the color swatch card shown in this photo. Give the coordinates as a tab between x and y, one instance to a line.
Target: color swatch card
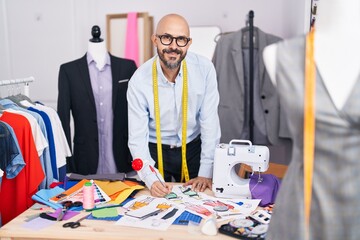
100	196
75	194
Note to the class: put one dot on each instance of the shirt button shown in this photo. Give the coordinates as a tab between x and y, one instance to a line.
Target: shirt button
266	111
101	104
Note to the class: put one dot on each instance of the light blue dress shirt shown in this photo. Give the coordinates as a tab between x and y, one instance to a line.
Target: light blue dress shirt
203	100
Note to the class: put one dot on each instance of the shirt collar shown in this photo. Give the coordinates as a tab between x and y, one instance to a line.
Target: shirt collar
90	59
7	103
160	71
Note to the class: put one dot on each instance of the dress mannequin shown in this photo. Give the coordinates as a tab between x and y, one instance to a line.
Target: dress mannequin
337	48
337	127
97	48
94	95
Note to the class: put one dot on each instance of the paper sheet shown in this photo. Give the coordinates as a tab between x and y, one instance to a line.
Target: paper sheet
145	204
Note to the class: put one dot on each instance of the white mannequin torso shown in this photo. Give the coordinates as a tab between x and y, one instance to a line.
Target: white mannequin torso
336	49
98	52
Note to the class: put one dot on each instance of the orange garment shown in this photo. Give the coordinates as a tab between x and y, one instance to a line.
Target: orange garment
15	194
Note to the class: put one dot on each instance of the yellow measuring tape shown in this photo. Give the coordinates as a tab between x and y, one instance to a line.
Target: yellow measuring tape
184	171
309	127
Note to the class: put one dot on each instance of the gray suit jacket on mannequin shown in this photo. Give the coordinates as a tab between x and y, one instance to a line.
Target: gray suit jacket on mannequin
228	61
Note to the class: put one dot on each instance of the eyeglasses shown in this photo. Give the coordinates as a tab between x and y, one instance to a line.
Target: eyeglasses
168	39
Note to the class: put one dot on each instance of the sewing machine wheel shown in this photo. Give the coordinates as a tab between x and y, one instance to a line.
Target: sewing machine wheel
245	229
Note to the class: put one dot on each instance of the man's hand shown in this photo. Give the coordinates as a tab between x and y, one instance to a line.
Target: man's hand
199	184
158	190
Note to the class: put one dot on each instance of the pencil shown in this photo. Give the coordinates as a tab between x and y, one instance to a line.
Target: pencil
153	170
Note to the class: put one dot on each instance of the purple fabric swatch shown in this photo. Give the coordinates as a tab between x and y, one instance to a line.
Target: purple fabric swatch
266	190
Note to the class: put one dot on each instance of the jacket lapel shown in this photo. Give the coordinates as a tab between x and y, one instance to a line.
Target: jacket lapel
238	59
115	74
262	44
85	77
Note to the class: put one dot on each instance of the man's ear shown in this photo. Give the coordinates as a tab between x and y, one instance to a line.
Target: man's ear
190	42
154	40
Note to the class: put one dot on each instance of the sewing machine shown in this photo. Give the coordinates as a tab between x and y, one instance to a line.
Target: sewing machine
228	157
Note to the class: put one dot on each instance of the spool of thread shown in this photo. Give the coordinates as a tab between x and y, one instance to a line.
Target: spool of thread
88	196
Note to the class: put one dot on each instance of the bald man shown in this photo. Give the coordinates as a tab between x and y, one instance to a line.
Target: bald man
172	106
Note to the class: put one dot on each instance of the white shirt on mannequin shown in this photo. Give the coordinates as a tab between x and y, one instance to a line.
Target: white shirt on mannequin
98	52
336	49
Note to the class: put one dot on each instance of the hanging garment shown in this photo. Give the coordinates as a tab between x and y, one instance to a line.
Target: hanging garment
61	145
132	38
335	194
231	60
11	159
40	137
50	137
16	193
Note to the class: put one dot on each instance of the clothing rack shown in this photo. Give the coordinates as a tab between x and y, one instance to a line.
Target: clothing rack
26	82
250	21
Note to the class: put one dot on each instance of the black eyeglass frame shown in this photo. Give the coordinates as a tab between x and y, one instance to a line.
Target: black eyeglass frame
172	39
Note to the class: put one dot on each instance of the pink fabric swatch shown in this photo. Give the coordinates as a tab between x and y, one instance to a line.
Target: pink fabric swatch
132	40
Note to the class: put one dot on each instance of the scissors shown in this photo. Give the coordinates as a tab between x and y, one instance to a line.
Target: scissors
66	206
75	224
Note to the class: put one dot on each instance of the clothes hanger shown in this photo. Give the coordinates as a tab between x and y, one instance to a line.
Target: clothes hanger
18	98
219	35
1	106
22	97
15	99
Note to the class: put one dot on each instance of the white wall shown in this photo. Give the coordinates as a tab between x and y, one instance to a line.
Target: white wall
39	35
297	17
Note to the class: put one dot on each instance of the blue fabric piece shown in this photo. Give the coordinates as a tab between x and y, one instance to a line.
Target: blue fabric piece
44	195
104	218
69	184
62	173
185	217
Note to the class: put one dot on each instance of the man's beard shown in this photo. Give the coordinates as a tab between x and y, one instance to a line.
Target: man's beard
168	64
